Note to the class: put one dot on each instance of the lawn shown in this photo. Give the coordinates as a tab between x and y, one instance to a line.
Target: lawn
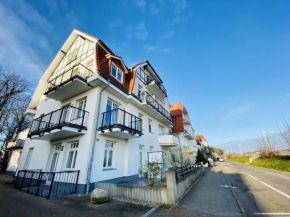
281	163
240	159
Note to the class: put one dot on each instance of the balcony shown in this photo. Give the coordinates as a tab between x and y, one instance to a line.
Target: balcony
168	140
154	108
66	122
186	120
154	85
18	144
188	135
121	124
70	83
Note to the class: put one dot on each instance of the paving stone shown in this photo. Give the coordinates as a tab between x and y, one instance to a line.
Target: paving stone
14	203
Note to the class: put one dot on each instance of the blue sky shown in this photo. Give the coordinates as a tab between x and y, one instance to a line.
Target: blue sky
228	61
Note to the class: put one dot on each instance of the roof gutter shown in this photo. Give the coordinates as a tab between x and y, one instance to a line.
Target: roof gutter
95	134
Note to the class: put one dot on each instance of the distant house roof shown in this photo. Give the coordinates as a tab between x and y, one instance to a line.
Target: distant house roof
176	109
201	137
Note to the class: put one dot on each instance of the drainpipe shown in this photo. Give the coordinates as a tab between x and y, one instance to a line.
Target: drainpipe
89	173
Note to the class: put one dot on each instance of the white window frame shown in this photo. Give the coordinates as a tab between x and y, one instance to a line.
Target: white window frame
107	151
150	126
161	128
141	157
73	147
117	71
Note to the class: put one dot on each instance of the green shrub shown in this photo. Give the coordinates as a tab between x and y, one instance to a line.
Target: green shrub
200	157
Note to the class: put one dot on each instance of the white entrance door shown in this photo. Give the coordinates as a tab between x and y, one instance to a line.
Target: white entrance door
54	158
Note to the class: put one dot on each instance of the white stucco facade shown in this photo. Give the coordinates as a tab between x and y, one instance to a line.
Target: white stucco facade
117	155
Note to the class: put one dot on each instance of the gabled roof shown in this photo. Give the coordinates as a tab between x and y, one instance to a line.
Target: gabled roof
146	62
201	137
118	58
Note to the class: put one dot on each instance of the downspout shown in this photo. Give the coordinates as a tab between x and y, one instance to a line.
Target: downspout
89	173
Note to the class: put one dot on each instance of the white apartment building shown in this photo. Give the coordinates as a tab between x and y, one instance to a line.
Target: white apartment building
15	149
94	114
183	129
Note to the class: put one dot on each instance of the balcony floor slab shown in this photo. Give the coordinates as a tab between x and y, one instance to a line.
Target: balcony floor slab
57	134
118	133
69	90
156	90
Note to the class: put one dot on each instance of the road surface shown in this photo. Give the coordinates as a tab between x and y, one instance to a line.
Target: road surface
263	192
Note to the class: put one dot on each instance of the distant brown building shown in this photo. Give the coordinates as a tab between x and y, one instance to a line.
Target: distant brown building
183	128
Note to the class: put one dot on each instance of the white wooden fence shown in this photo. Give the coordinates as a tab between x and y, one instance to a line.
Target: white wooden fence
160	195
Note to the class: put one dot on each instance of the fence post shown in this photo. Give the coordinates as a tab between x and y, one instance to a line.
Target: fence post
24	177
78	172
16	180
171	187
39	182
51	185
32	174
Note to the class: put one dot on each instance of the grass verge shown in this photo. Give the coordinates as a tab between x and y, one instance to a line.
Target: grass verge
240	159
281	163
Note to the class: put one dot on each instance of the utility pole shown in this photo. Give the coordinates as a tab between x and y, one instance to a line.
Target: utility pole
241	149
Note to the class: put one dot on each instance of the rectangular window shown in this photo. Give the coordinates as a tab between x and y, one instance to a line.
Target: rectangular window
139	91
150	125
140	123
140	156
81	104
117	73
108	156
111	113
72	155
151	148
161	130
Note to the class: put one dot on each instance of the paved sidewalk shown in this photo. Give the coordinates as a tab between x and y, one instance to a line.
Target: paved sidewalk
211	196
14	203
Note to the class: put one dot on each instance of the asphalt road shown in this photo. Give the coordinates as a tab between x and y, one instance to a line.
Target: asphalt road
263	192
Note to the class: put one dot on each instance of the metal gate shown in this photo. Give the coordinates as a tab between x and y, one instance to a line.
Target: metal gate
47	184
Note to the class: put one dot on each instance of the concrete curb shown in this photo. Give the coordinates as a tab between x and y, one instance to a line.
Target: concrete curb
149	212
241	207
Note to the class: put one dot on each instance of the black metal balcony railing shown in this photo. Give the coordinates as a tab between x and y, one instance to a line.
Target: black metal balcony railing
145	96
77	71
119	118
47	184
147	79
67	116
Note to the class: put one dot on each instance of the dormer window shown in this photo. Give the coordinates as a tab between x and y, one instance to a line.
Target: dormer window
117	73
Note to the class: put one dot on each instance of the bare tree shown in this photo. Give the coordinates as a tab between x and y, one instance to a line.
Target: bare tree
13	103
11	87
177	158
267	147
285	133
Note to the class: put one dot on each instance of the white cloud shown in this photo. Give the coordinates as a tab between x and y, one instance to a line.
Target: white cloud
154	9
170	34
179	6
16	41
115	24
140	4
148	48
24	47
139	31
238	110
